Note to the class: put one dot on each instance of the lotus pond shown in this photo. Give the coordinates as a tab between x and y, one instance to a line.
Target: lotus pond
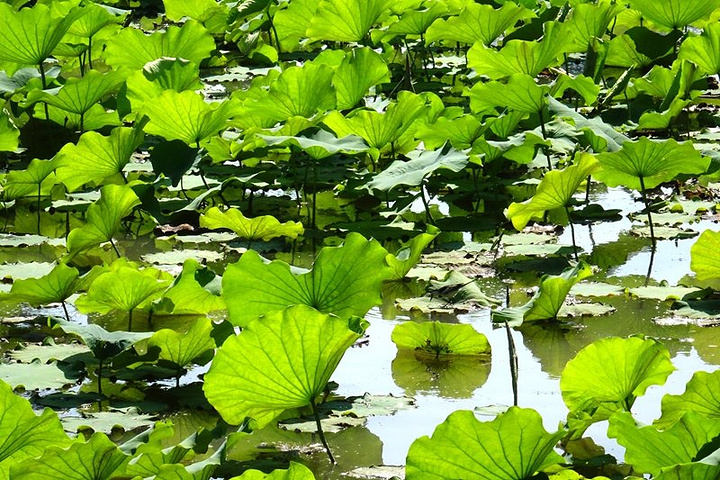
297	239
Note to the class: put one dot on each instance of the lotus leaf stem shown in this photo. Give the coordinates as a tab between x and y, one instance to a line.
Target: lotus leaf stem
572	233
513	363
316	414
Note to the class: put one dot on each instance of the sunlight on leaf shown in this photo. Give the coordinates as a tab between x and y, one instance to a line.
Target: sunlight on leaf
435	338
346	20
477	23
704	259
264	228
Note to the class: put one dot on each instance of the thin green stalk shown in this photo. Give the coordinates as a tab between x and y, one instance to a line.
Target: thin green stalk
89	52
649	214
316	414
572	233
130	312
64	307
650	266
44	86
117	252
99	375
426	204
544	134
513	363
39	192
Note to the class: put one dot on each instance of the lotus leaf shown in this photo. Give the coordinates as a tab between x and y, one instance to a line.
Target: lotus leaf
25	435
35	179
704	260
103	218
102	343
360	70
416	22
590	21
520	93
700	396
9	133
207	12
258	228
346	20
421	164
95	18
650	450
292	22
97	459
461	132
321	145
437	338
195	291
512	446
35	376
280	361
409	254
345	281
158	76
182	349
704	50
296	471
477	23
56	286
675	14
609	374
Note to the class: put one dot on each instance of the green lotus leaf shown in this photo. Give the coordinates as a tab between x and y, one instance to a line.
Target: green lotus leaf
292	22
700	396
520	93
703	50
346	20
650	450
281	361
514	445
93	119
320	145
675	14
103	344
477	23
36	376
435	338
95	18
647	163
182	349
590	21
344	280
296	471
556	190
207	12
96	157
264	228
30	35
612	137
623	52
56	286
131	48
97	459
35	180
158	76
585	86
520	56
609	374
415	22
461	132
9	133
103	218
409	254
25	435
361	69
420	164
195	291
185	116
704	259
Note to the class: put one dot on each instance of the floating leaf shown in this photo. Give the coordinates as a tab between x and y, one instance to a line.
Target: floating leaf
281	361
704	260
514	446
102	343
296	471
345	280
346	20
34	376
435	338
264	228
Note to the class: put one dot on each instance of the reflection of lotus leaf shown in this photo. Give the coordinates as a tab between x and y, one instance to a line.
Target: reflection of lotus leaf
456	377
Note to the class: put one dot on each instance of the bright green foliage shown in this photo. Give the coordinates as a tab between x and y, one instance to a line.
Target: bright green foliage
292	22
513	446
421	164
701	396
435	338
95	18
296	471
675	14
590	21
704	259
195	291
346	20
609	374
103	218
97	459
24	434
409	254
461	131
34	180
416	22
103	344
207	12
161	75
281	361
650	450
264	228
556	190
185	116
56	286
9	133
131	48
704	50
690	471
361	69
29	36
519	56
183	348
520	93
96	157
320	145
345	281
477	23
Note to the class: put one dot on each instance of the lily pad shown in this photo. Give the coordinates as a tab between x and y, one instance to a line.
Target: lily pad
107	422
34	375
48	352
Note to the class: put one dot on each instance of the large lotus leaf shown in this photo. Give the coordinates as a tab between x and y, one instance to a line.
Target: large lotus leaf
203	11
9	133
95	18
161	75
675	14
320	145
609	374
296	471
703	50
103	218
702	395
590	21
704	259
185	116
102	343
56	286
93	119
79	94
183	348
513	446
614	139
346	20
654	162
96	157
477	23
34	180
690	471
195	291
520	93
420	165
24	434
35	376
97	459
556	190
344	280
133	49
281	361
30	35
292	22
409	254
461	132
435	338
361	69
415	22
650	450
265	227
520	56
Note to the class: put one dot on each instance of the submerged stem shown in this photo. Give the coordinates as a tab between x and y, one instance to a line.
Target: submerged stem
316	414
